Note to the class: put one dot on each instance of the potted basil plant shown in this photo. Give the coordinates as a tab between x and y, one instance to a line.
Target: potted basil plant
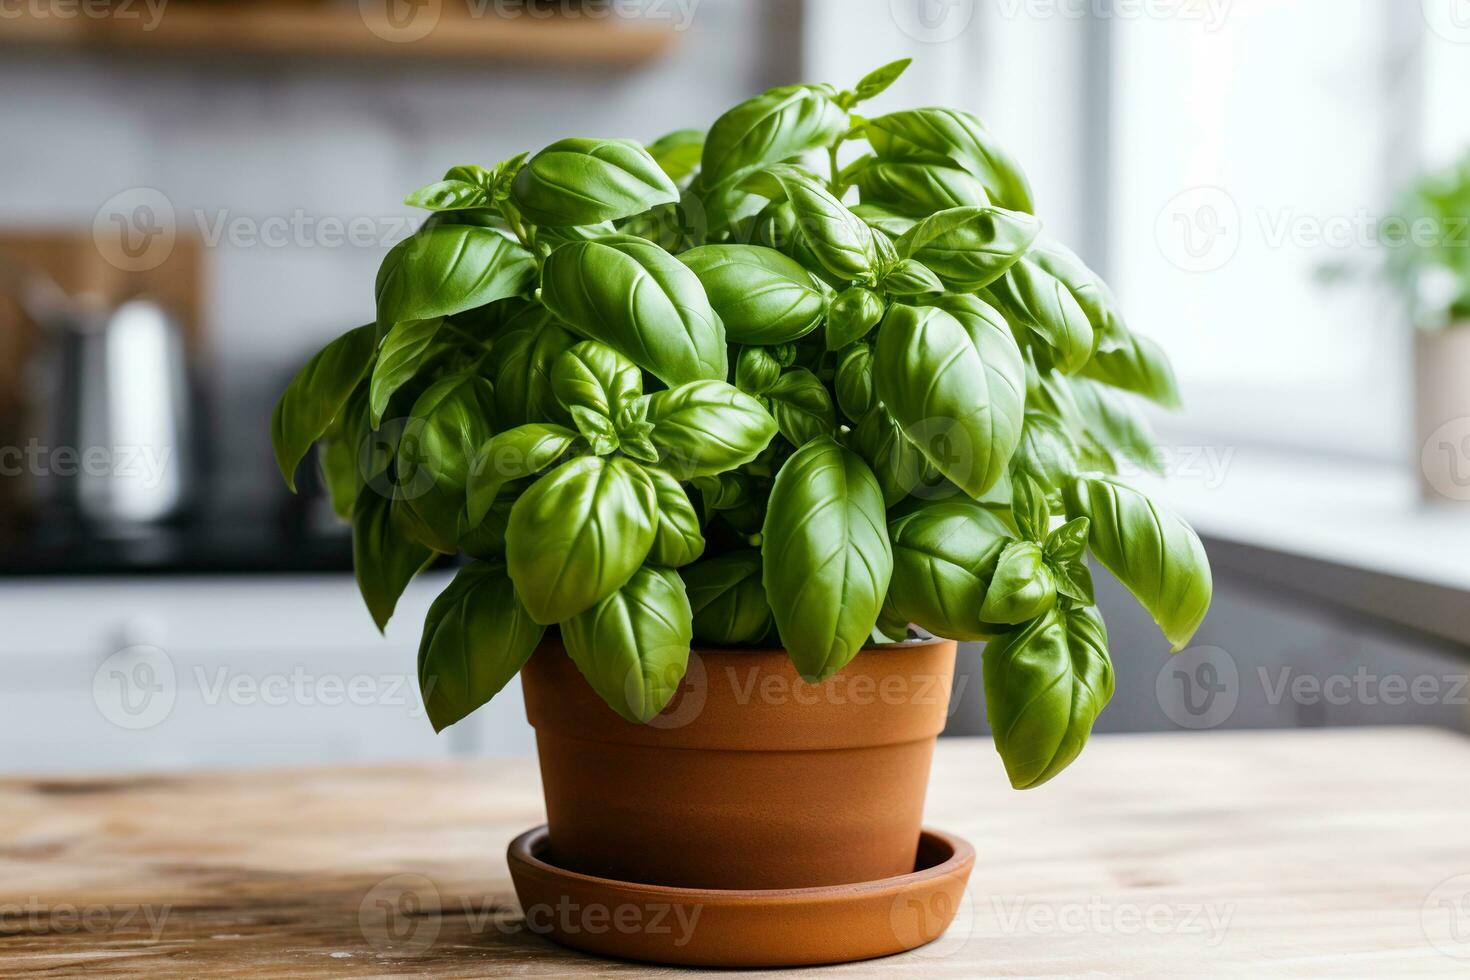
721	393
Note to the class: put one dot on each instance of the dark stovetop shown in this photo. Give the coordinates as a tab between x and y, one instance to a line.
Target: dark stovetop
237	544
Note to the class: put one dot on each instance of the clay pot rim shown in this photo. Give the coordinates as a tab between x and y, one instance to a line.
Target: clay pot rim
521	855
915	643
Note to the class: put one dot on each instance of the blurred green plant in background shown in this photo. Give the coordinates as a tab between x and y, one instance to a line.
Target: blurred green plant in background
1425	245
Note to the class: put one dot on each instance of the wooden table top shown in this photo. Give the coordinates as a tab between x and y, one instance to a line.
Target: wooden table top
1324	853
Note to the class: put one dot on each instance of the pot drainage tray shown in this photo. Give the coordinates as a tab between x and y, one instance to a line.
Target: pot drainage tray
730	928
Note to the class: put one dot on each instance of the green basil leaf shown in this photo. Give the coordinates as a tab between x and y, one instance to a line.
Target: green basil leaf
1005	367
338	466
633	645
677	540
578	534
802	407
638	443
511	455
1034	299
1074	580
827	560
449	269
777	125
384	554
959	138
584	181
450	421
449	195
877	81
897	463
314	397
838	239
891	627
1022	587
1114	424
756	369
760	295
853	313
339	451
486	539
917	189
595	377
638	299
677	153
1086	287
854	382
1151	550
727	491
1046	452
399	358
944	554
728	599
596	428
1030	508
1067	542
1138	365
774	226
477	636
478	176
1045	685
969	248
909	278
707	427
883	219
524	358
928	373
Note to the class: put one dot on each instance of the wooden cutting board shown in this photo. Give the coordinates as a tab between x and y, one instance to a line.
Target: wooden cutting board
1310	853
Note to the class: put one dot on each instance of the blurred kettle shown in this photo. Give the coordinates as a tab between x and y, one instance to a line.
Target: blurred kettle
111	396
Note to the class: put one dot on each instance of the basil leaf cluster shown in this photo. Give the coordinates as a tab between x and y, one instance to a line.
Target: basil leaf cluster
806	379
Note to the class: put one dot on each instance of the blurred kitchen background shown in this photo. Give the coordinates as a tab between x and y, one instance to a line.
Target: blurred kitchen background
195	194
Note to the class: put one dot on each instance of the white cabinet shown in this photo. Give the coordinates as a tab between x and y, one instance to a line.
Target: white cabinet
194	672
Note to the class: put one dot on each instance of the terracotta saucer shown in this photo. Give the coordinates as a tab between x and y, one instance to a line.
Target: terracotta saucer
714	927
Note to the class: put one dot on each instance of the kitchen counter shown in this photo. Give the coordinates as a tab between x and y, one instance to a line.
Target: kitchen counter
1330	852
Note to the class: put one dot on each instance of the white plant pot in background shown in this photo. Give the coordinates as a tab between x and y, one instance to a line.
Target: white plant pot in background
1442	413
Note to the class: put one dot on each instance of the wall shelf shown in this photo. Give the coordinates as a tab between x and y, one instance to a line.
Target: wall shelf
429	30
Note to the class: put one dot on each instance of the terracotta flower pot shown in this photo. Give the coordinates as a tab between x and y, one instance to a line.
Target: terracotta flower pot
750	778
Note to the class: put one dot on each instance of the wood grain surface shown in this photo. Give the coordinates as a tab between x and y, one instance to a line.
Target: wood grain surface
1311	853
